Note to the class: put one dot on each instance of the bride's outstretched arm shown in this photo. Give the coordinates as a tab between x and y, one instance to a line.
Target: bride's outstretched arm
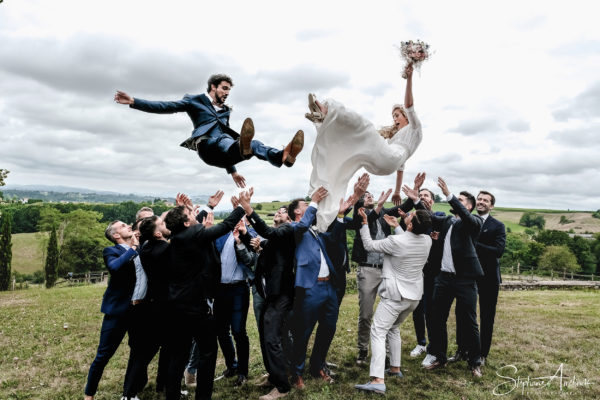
408	95
396	199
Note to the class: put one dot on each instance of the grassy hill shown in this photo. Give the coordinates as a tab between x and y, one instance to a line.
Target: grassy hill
536	331
27	252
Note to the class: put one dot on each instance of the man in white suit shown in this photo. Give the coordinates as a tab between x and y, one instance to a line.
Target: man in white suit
401	288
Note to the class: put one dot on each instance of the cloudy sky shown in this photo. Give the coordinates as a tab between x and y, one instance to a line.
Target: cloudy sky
510	100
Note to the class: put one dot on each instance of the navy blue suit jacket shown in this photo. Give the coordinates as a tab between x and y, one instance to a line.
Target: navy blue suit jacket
308	250
121	267
206	120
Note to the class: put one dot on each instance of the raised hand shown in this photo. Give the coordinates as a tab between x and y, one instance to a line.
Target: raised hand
255	243
123	98
396	199
442	184
241	226
244	199
383	198
426	203
236	235
319	195
214	200
419	179
235	201
360	187
209	220
239	180
183	200
344	205
391	221
411	193
363	215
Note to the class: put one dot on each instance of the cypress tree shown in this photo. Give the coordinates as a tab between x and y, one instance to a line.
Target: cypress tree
5	251
51	267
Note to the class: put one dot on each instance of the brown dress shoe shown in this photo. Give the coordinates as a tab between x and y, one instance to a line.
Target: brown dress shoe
293	149
246	136
325	377
298	382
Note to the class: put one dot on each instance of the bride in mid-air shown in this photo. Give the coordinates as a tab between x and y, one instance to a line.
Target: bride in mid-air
346	142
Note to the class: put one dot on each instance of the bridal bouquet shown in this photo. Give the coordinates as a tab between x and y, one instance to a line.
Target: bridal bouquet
414	53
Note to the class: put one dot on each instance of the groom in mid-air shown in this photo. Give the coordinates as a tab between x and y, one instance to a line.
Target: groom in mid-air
216	143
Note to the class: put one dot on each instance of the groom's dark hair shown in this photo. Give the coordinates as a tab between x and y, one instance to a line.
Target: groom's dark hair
175	219
421	222
292	207
218	78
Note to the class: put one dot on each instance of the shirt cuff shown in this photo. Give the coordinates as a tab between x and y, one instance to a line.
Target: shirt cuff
314	205
449	197
207	209
240	246
340	220
417	202
398	230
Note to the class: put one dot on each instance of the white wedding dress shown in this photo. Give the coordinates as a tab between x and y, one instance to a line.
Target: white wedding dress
346	142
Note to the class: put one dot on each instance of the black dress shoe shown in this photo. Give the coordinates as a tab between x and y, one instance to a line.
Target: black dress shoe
240	381
458	356
229	373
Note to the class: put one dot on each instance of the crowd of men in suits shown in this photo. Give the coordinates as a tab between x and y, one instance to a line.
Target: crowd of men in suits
180	286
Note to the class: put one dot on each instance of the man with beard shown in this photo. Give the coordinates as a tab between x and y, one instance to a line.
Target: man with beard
490	246
216	143
460	268
151	315
370	264
195	272
275	281
124	292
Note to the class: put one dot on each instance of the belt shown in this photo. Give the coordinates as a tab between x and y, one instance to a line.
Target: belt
136	302
235	283
323	279
449	274
371	265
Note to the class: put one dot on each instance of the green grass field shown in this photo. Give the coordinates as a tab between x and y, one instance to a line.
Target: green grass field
27	252
537	332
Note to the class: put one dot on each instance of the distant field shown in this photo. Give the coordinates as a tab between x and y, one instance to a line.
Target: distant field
27	252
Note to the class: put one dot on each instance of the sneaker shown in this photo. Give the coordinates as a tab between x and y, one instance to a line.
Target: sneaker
362	358
418	350
372	387
190	379
273	394
476	371
428	360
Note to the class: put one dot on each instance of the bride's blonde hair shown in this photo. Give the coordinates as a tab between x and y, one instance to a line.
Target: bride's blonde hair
389	131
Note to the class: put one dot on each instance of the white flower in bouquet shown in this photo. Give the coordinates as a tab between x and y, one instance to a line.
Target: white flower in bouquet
414	52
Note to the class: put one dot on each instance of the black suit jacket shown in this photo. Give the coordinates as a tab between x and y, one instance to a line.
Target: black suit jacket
155	256
359	254
462	241
490	246
195	266
276	261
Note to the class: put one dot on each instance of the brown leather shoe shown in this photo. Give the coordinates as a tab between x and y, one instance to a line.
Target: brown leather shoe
325	377
298	382
246	136
435	365
293	149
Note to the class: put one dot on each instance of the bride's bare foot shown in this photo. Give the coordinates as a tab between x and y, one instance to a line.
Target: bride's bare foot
322	108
